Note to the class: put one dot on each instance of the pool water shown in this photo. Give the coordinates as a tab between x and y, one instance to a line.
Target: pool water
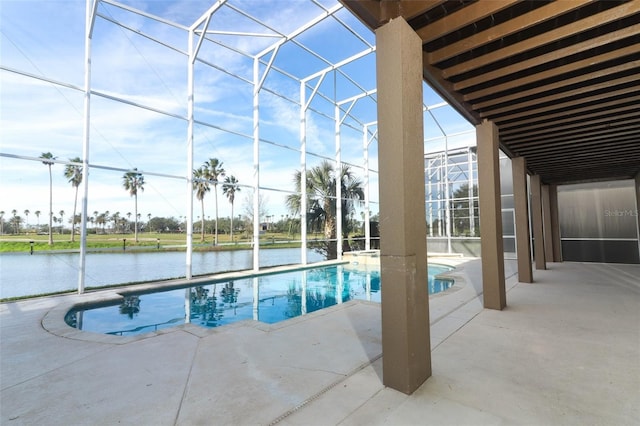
267	298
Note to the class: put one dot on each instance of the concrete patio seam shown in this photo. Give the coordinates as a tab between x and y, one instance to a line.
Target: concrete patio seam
325	390
185	388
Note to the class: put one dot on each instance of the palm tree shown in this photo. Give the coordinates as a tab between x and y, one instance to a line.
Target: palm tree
61	213
133	182
74	174
37	213
26	220
16	223
201	186
106	220
321	203
47	156
214	172
115	218
95	220
229	188
101	219
14	213
1	222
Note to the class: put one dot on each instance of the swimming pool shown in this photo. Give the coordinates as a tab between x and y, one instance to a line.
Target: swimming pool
267	298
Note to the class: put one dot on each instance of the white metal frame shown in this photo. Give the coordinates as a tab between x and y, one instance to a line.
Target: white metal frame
199	34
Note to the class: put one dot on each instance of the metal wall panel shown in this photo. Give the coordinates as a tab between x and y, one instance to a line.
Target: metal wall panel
598	222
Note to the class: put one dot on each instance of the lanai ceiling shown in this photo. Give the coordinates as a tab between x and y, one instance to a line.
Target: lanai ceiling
561	79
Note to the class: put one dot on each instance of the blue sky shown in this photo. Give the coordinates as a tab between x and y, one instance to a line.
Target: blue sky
46	38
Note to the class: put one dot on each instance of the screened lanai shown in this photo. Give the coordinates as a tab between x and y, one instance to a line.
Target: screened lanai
161	90
552	66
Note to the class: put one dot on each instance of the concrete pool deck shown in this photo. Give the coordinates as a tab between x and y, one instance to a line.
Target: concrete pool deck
566	350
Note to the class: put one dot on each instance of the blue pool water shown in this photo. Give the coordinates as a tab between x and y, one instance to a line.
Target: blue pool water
267	298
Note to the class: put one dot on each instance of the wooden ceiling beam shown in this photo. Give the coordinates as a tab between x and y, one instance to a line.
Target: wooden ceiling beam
578	120
514	84
461	18
551	157
590	169
545	38
530	19
575	157
374	13
588	128
577	126
531	104
618	139
553	110
599	163
558	86
564	117
584	170
589	176
590	44
584	161
580	169
585	174
410	9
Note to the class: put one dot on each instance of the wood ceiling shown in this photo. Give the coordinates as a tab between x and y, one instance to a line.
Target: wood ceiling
560	79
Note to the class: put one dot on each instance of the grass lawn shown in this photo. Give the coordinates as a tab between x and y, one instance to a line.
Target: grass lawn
150	241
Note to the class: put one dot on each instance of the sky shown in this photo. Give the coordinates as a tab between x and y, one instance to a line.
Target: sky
46	39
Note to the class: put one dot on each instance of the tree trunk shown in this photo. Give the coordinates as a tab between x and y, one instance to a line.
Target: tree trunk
50	208
202	222
330	236
231	222
215	192
73	220
135	226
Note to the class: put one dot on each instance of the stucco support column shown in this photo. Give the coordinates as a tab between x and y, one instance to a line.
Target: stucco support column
536	220
492	250
406	345
555	224
521	199
546	224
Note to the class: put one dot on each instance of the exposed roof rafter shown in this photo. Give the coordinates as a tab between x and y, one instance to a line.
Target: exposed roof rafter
560	79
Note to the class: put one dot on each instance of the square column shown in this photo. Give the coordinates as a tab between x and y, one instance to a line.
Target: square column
406	344
536	220
521	199
492	250
546	224
555	224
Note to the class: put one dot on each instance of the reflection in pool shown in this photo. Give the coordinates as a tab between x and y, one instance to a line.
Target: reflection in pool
266	298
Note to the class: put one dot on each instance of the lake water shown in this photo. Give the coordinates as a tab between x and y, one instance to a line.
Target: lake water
22	274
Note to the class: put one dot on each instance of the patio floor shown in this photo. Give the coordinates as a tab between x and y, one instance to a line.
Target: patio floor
566	350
